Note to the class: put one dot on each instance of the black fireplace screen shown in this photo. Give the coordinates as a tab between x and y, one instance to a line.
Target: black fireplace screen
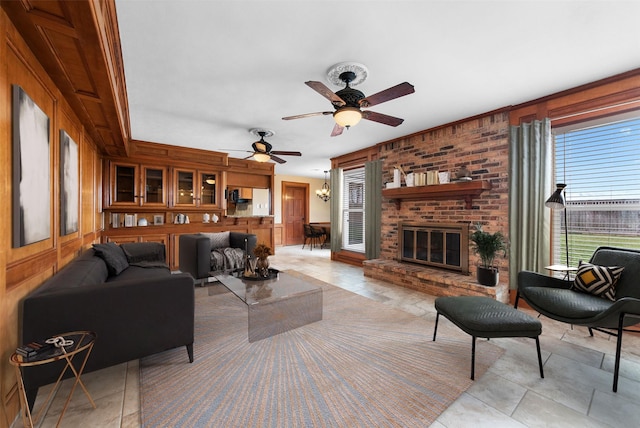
444	245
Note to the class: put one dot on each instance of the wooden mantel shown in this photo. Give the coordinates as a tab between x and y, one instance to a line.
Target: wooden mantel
465	190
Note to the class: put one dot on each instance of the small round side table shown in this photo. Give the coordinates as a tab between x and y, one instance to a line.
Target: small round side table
82	340
564	269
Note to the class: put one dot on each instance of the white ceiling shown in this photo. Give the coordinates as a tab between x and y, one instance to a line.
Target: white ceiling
202	73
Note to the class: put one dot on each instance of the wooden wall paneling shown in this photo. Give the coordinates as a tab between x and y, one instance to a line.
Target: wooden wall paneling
612	95
23	69
277	234
24	269
72	242
9	403
78	44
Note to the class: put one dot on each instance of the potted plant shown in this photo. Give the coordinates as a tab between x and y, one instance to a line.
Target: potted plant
487	246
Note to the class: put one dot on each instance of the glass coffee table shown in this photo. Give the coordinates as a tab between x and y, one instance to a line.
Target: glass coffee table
275	305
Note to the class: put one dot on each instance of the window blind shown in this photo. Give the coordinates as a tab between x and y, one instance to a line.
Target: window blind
600	164
353	210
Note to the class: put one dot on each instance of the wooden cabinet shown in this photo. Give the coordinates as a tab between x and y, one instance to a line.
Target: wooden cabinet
196	188
134	185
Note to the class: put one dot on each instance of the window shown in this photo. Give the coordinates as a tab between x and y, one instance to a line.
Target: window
353	210
600	164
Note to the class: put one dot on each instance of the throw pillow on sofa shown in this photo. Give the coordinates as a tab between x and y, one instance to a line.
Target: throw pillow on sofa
597	280
113	257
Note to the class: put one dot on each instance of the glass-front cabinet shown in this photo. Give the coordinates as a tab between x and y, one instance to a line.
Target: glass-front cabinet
124	184
195	188
184	189
208	189
154	181
138	185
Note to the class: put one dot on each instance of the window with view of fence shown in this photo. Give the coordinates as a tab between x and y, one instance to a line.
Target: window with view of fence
600	164
353	210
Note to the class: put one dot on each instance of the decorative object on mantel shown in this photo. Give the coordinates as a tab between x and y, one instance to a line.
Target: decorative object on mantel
206	218
443	177
463	174
325	192
214	218
487	246
409	179
432	177
262	252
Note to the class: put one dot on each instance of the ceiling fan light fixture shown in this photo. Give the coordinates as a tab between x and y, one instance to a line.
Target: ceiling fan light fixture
347	116
261	157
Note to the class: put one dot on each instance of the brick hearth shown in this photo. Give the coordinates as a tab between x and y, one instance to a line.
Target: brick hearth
436	282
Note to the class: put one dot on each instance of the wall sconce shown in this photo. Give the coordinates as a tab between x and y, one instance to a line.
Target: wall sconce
325	192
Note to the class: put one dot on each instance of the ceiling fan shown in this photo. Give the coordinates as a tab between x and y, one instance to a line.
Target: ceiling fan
348	103
262	150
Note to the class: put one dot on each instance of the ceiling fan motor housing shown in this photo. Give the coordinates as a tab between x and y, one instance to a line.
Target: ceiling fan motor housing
350	96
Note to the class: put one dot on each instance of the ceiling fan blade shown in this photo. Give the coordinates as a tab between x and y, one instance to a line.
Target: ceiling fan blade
388	94
300	116
277	159
382	118
337	130
285	153
320	88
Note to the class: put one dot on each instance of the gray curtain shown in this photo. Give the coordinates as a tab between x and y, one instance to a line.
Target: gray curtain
372	208
335	180
530	184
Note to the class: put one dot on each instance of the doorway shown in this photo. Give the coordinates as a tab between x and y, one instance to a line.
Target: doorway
295	211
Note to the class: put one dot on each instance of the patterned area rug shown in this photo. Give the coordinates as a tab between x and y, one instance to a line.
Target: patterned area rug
364	364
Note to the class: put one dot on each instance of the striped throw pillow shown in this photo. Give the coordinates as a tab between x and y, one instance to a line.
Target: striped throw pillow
597	280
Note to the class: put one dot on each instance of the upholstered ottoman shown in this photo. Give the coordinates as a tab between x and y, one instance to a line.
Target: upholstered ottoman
486	317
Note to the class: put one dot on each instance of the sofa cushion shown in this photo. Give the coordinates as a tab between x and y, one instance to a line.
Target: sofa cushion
218	239
597	280
113	256
566	304
144	252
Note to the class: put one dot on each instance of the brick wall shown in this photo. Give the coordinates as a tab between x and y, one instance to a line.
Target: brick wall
482	145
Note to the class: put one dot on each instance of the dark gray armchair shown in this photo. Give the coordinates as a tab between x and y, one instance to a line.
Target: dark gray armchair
554	298
195	251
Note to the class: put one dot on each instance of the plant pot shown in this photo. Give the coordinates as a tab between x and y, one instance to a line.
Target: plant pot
488	276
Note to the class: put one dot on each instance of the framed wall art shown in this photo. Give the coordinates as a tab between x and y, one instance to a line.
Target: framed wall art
31	197
69	184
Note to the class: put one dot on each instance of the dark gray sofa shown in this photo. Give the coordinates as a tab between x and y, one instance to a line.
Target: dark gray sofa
136	308
195	252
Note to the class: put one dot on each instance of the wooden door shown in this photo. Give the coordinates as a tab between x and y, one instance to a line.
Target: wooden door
295	211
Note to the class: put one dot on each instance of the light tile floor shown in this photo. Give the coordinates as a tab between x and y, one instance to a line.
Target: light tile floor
576	390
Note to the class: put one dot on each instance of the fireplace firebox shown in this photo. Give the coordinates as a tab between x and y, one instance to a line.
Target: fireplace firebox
443	245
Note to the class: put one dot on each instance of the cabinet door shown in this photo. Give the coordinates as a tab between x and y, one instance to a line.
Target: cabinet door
184	188
124	184
154	190
209	189
123	239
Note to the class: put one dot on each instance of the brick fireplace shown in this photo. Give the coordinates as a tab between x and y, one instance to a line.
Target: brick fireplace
442	245
481	145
